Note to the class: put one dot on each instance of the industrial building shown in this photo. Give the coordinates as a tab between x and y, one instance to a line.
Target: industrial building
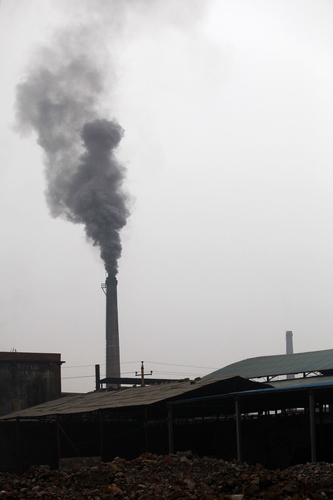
28	379
228	414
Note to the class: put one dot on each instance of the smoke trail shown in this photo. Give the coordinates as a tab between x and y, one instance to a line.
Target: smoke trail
59	100
94	196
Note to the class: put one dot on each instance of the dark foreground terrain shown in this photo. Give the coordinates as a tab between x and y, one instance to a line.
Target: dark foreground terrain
180	476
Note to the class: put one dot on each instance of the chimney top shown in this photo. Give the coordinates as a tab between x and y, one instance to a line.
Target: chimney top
289	342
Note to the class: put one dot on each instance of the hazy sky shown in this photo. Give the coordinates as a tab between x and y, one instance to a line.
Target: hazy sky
227	108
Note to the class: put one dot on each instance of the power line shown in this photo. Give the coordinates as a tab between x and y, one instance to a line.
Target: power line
82	366
184	366
129	362
101	364
128	373
152	362
182	374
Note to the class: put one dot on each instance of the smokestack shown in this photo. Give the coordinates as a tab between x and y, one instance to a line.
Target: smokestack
289	349
289	343
112	331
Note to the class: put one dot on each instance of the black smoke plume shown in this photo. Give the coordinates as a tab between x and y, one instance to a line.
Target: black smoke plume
93	194
59	100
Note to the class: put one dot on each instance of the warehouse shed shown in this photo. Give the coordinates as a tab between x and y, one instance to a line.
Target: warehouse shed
277	427
101	424
278	424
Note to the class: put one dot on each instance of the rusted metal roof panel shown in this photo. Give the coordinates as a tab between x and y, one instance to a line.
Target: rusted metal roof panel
131	397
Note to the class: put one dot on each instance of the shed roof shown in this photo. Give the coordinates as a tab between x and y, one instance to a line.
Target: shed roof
256	400
132	397
282	364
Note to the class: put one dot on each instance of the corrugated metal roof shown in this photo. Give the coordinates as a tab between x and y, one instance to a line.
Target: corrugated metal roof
283	364
317	383
131	397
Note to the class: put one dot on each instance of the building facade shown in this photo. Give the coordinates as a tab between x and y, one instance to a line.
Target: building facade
28	379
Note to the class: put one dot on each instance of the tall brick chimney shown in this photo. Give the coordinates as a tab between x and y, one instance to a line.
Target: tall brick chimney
112	331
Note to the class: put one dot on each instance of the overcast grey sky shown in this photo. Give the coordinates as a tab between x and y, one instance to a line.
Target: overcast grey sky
227	110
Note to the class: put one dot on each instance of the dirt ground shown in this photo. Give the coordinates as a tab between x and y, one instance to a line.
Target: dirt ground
180	476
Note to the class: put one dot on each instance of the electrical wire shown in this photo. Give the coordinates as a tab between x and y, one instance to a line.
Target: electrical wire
152	362
159	372
82	366
184	366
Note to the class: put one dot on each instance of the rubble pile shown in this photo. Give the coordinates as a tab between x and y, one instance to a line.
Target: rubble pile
180	476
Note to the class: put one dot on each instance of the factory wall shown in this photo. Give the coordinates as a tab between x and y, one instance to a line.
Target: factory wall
28	379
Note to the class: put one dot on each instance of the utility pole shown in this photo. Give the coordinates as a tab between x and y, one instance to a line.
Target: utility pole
143	374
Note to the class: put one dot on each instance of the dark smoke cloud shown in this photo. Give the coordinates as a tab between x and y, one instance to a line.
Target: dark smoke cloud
59	100
94	196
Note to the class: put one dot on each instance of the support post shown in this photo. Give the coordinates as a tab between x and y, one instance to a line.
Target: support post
170	431
312	426
142	375
18	446
58	441
146	428
238	429
101	432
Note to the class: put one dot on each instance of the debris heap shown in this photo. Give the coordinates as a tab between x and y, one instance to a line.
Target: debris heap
180	476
